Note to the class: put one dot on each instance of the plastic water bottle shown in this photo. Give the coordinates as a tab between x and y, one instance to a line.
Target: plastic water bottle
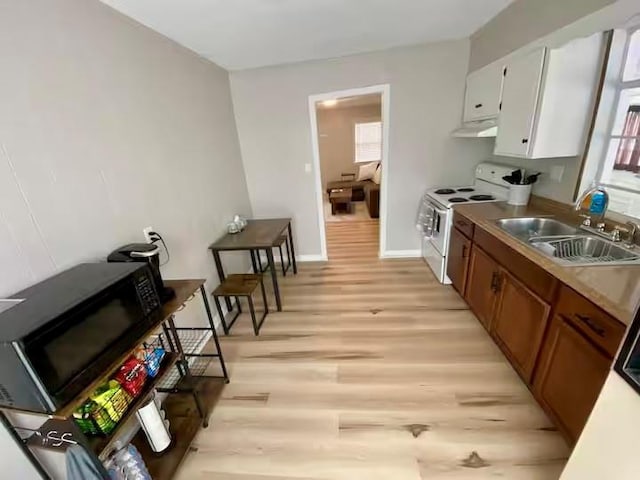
129	460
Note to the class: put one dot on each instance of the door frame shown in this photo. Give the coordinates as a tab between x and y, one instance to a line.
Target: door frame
384	90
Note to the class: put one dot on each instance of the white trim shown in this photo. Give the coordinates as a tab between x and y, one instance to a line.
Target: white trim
384	187
315	147
596	166
311	258
385	91
401	254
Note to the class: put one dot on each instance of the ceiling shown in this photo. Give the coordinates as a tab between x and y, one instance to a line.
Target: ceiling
241	34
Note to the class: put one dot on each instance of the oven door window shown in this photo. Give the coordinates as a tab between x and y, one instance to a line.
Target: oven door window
75	346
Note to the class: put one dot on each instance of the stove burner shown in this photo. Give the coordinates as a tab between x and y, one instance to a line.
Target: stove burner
445	191
466	189
458	200
480	198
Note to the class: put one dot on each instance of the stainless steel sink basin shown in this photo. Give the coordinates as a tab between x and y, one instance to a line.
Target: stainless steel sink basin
583	250
526	228
565	244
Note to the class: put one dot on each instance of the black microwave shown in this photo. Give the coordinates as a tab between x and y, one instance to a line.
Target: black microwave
57	336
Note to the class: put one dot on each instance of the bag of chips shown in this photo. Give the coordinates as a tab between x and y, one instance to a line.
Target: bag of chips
151	356
132	375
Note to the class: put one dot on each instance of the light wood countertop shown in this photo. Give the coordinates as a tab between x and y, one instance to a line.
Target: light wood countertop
615	289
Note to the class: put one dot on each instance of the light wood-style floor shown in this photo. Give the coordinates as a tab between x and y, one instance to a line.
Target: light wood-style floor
373	371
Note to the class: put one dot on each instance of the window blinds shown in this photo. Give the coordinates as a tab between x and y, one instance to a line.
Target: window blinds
368	139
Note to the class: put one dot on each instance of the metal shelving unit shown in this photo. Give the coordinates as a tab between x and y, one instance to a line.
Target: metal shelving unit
182	373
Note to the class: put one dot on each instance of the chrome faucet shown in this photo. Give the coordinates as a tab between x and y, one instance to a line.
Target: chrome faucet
630	229
586	194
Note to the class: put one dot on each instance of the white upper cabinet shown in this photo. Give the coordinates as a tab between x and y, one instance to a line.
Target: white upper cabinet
519	99
482	98
547	100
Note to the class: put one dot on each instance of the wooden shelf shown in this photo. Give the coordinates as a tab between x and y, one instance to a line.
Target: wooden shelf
184	289
184	425
101	445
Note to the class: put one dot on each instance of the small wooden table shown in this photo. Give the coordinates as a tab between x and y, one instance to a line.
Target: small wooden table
257	235
340	199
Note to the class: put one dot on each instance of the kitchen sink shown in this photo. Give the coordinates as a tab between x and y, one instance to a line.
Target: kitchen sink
565	244
526	228
583	250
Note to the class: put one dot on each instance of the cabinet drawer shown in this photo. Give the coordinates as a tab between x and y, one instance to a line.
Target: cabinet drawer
463	224
604	330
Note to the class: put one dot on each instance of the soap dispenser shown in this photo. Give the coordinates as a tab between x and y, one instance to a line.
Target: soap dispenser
595	199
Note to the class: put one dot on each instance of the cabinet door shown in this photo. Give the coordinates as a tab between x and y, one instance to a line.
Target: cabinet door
482	97
570	375
481	285
458	259
519	323
519	102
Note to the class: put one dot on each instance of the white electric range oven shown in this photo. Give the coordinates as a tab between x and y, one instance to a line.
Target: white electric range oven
435	213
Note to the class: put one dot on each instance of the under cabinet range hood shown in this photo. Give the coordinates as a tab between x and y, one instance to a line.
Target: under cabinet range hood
480	129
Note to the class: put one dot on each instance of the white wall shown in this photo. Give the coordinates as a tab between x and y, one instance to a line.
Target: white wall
523	22
427	90
105	128
608	446
561	191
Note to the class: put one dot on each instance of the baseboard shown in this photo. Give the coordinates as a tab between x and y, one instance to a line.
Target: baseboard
310	258
401	254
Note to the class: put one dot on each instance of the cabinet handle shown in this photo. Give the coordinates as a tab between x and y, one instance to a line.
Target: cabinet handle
498	282
478	105
464	251
495	281
591	324
525	140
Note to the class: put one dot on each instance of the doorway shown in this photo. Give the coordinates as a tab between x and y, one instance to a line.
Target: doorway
349	130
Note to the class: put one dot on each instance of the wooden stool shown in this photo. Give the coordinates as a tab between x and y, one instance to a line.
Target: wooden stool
256	261
241	285
284	239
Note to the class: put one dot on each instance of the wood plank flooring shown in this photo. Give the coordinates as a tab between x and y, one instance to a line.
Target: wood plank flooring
372	371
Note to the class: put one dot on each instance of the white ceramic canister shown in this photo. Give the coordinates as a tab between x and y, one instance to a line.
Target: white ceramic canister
519	194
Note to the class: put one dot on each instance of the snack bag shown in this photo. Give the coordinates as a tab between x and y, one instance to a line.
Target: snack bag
151	357
132	375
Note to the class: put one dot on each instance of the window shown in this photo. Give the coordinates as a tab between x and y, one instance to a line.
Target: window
620	167
368	142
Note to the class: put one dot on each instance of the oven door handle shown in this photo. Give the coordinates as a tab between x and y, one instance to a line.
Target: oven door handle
440	214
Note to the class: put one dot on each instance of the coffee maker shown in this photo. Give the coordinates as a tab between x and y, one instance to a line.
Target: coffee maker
145	253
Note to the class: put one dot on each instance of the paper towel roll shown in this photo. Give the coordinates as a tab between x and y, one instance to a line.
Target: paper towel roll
152	421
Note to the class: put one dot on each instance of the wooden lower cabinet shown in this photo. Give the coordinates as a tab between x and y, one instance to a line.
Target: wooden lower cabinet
565	357
519	323
481	285
570	375
458	260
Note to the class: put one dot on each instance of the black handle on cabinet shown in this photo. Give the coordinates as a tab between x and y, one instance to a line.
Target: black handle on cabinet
525	140
591	324
478	105
464	251
498	282
494	282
